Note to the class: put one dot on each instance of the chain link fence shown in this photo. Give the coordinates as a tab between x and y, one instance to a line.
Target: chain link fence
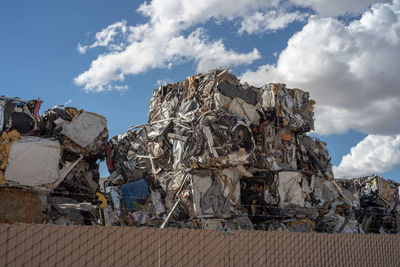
51	245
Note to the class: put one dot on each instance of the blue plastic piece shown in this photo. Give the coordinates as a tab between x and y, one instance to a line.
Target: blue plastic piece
135	194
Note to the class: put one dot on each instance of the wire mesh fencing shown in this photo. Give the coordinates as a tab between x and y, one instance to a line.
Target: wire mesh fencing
30	236
51	245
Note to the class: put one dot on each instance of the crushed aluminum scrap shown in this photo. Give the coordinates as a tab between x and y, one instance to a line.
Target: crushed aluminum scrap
219	154
51	159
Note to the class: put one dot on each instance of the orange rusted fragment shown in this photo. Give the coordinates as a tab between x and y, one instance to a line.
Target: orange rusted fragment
6	141
192	83
263	124
20	206
286	137
2	181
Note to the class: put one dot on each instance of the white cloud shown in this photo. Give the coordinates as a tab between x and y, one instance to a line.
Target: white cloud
82	48
185	13
269	21
375	154
211	55
160	43
338	7
68	102
107	35
136	49
155	52
351	70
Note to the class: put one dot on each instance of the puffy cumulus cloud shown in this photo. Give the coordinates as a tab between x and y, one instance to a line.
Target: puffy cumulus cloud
106	37
108	70
269	21
375	154
351	70
338	7
161	42
136	49
185	13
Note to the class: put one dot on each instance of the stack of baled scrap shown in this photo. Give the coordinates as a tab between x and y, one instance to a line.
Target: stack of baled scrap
217	153
53	158
82	136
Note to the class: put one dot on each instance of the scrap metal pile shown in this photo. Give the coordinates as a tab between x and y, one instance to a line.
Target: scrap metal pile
53	159
218	154
215	154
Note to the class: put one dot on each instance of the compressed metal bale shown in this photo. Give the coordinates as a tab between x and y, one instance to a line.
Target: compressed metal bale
33	161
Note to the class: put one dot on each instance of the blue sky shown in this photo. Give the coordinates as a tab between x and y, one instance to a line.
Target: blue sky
108	57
